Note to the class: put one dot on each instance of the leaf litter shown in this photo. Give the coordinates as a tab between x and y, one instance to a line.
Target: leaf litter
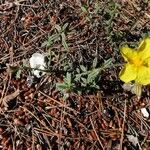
72	34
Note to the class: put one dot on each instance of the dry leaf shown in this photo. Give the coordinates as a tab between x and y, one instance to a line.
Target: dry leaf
10	97
133	88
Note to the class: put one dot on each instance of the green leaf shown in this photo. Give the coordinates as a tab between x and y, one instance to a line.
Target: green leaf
68	78
50	40
92	76
78	70
83	68
107	63
44	44
61	86
77	77
65	26
84	80
53	37
84	9
18	74
95	62
64	43
58	27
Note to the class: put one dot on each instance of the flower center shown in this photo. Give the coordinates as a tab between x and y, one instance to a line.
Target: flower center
137	62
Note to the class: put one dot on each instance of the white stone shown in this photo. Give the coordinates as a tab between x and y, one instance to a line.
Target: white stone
132	139
145	112
37	61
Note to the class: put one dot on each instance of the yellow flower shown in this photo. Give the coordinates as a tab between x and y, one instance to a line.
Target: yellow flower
137	67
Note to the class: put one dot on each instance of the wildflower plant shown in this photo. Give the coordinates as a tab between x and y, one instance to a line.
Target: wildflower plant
137	66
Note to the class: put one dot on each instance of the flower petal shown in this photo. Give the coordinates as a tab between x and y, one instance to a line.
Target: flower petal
143	75
128	53
148	62
128	73
144	49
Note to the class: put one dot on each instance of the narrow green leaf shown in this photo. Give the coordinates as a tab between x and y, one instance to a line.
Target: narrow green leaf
64	43
83	68
92	76
18	74
84	10
65	26
68	77
95	62
84	80
58	27
77	77
61	86
107	63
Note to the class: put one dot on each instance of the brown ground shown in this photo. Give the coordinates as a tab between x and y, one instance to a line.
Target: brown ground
37	116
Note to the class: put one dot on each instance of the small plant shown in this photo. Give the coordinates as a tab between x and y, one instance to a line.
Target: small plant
66	86
58	36
137	67
83	79
110	13
89	78
90	14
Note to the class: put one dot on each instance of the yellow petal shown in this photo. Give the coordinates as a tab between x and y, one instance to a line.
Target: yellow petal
128	53
148	62
143	75
128	73
144	49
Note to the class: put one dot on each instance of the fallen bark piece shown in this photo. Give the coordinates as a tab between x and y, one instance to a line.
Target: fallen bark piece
10	97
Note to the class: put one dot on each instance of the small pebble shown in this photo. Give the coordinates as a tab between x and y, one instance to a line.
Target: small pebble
145	112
